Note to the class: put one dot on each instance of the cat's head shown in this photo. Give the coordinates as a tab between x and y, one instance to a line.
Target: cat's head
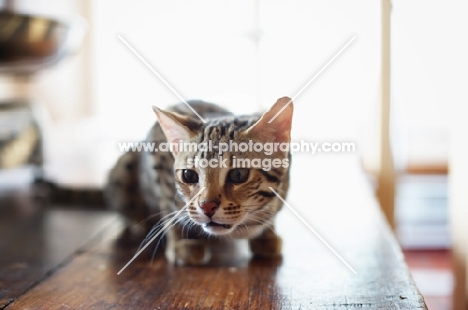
227	188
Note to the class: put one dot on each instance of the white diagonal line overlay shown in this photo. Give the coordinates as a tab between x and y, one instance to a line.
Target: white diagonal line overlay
314	77
169	223
160	77
313	230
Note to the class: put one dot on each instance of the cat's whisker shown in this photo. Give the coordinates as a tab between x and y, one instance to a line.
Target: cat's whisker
149	217
191	225
160	223
247	229
254	208
183	221
157	228
266	210
267	222
169	215
155	250
154	230
261	221
149	235
262	216
179	220
251	208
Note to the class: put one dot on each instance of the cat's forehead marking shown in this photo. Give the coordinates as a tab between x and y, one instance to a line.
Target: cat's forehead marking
211	176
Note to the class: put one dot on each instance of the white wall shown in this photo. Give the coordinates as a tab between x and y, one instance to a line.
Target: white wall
205	50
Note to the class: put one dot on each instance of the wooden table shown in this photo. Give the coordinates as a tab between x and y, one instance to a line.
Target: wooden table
60	258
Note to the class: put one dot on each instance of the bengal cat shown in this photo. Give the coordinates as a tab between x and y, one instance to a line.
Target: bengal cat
236	201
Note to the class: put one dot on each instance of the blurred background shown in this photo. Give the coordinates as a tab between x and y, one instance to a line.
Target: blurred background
70	91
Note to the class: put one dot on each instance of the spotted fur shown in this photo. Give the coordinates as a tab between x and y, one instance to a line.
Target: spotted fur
149	186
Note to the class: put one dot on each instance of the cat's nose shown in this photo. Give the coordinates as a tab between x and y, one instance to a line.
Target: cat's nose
209	207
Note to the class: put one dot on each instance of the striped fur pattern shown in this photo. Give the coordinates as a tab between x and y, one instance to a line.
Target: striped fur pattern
236	201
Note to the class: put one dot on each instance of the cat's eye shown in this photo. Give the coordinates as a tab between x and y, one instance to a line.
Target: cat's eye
239	175
189	176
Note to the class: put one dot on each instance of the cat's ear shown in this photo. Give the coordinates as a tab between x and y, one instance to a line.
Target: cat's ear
176	127
275	124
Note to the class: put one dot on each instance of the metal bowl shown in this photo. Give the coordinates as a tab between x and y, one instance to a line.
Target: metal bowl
29	43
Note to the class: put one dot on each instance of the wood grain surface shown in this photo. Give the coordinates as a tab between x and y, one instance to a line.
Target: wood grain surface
64	259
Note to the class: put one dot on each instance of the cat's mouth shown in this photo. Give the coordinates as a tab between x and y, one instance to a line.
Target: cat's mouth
236	231
214	224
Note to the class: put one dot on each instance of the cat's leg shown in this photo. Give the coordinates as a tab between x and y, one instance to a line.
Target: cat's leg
186	252
267	244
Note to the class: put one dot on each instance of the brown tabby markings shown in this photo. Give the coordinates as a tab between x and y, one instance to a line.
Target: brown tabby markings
146	186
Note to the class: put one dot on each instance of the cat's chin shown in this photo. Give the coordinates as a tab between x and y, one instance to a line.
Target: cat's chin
238	232
217	229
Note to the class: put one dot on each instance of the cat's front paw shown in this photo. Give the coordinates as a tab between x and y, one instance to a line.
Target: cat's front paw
191	252
266	247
